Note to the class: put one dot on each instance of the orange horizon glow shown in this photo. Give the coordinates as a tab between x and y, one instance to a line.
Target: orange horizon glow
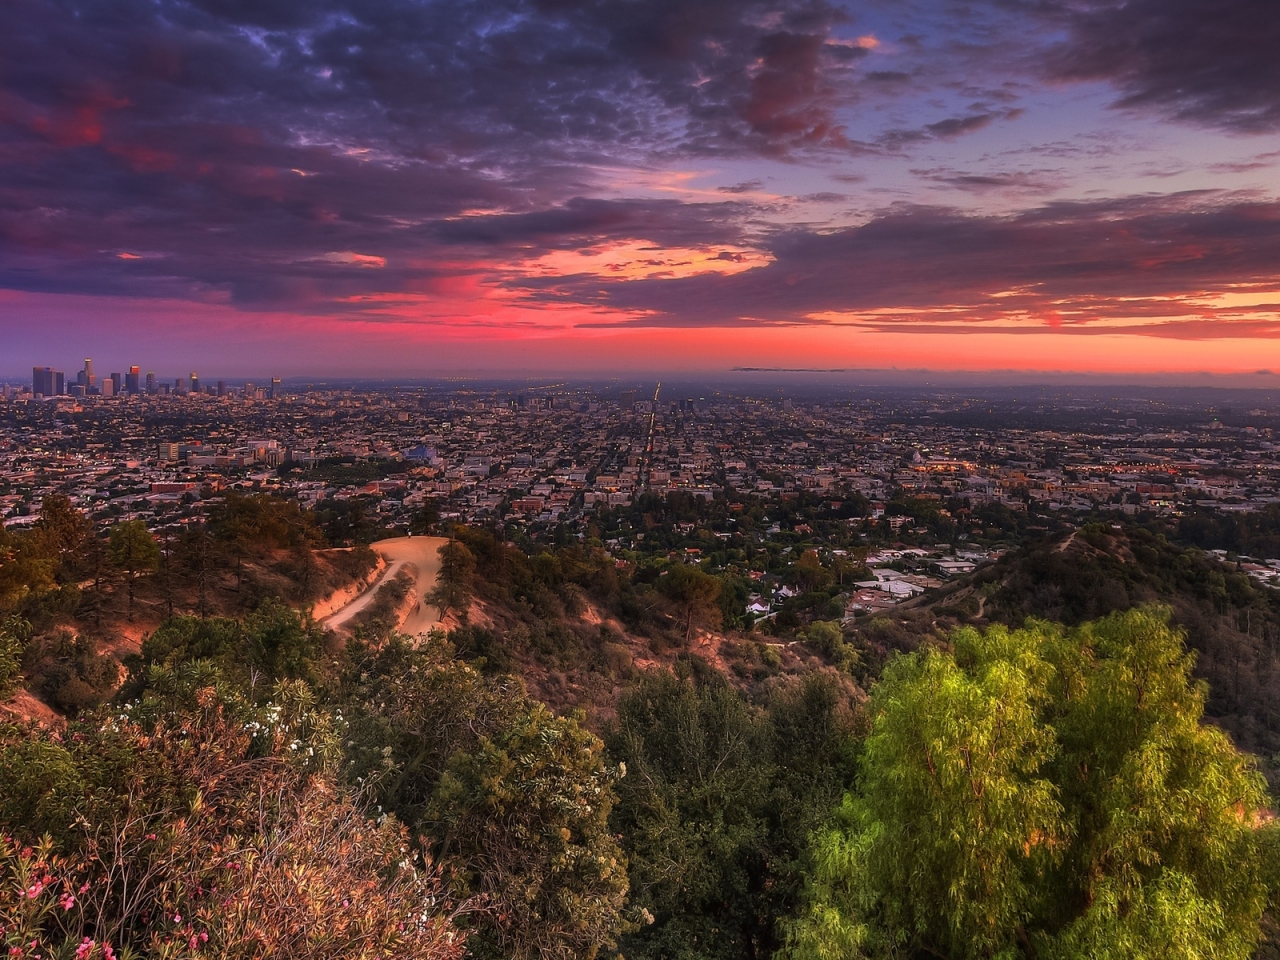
171	334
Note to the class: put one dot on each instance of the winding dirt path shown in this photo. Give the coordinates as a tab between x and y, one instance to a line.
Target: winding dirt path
420	553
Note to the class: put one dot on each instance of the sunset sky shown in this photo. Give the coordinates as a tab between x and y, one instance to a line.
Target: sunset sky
420	187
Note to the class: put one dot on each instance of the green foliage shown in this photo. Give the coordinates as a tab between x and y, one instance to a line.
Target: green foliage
1042	793
181	640
133	550
191	824
69	672
273	643
257	522
455	579
39	567
545	586
476	643
425	518
694	594
1233	625
827	636
25	572
14	633
512	800
283	643
718	799
524	815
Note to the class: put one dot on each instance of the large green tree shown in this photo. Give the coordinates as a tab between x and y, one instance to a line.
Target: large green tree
512	801
1042	793
719	797
455	580
694	593
133	551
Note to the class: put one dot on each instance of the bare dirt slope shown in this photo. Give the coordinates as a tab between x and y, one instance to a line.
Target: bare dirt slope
418	553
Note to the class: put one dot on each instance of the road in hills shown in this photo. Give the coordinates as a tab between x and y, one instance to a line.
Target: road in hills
422	554
648	444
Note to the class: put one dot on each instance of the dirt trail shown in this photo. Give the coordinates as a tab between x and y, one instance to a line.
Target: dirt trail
423	554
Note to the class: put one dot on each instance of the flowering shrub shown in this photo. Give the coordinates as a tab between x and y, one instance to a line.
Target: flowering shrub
204	828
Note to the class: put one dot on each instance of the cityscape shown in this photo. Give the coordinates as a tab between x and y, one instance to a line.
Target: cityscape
640	480
907	472
47	382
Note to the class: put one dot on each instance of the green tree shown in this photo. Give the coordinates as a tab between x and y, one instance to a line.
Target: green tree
182	640
273	643
61	529
718	801
511	801
808	573
827	636
133	551
1042	793
282	642
694	593
425	518
524	818
24	572
455	579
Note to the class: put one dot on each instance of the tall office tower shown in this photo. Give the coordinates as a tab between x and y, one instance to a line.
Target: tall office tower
195	382
248	389
151	381
222	388
275	388
89	379
179	385
59	384
42	381
117	384
131	380
109	386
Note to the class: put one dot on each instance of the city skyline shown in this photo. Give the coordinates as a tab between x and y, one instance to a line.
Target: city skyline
426	187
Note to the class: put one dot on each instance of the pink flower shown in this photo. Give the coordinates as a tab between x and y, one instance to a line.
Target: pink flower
204	937
67	902
107	952
85	948
177	918
35	890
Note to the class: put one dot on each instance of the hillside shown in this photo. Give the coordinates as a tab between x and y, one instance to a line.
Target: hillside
1231	623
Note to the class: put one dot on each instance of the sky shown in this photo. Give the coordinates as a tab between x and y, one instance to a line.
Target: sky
427	187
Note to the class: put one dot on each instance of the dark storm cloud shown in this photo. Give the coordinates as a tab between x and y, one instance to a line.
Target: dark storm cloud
582	222
234	146
1113	258
461	76
304	154
948	129
1017	180
1209	62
